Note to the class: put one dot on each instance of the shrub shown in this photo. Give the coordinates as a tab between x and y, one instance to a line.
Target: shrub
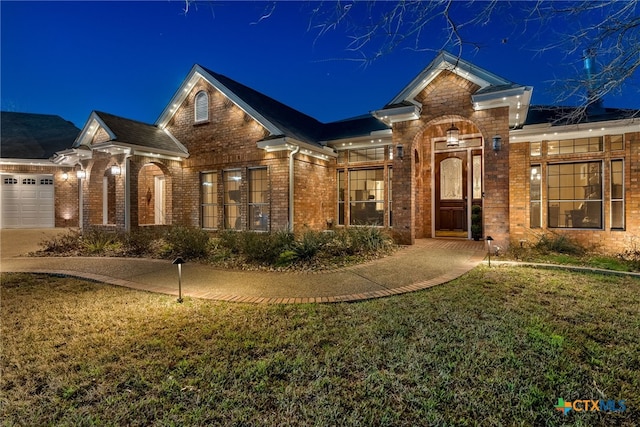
145	241
62	243
310	243
188	242
98	241
559	244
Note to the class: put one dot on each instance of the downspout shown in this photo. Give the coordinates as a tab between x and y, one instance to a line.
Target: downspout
127	194
291	186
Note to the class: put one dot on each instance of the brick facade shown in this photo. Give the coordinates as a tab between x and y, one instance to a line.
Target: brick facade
231	139
605	239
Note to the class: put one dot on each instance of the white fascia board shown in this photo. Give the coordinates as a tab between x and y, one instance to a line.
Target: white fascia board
194	75
517	99
71	156
501	96
89	130
365	141
115	148
548	132
372	137
398	114
32	162
286	143
446	61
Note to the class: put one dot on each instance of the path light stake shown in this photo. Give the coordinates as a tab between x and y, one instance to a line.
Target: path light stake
489	240
179	261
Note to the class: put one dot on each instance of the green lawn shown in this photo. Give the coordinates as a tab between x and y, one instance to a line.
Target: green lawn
498	346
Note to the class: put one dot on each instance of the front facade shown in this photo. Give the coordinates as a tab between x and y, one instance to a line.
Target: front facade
458	152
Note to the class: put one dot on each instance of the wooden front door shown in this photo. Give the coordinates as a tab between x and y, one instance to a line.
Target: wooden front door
451	194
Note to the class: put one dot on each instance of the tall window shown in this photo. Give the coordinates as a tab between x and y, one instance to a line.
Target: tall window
232	199
201	107
258	199
342	189
366	197
390	198
617	194
575	195
535	197
209	199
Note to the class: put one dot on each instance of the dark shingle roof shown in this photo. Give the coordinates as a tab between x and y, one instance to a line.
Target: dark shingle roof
541	114
350	128
138	133
298	125
292	122
34	136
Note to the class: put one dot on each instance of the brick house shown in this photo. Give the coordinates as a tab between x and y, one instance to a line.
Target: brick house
457	142
36	192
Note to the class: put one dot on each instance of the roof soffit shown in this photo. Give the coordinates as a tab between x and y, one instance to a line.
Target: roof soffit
197	73
91	127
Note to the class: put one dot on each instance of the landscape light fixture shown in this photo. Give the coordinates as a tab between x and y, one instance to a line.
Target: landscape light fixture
489	240
179	261
115	170
453	136
497	143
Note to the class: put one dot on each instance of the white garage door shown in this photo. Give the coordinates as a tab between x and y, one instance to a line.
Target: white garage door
27	201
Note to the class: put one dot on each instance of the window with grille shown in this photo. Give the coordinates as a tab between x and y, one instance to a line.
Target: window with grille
202	107
209	199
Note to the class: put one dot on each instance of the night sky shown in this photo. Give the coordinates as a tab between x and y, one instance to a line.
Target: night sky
128	58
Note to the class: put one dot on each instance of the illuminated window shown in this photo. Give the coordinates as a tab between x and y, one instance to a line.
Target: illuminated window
366	155
535	197
574	146
232	181
617	142
342	189
366	197
258	199
575	195
535	149
209	199
390	198
617	194
202	107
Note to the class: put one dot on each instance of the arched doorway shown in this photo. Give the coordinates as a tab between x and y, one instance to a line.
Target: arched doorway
152	193
457	181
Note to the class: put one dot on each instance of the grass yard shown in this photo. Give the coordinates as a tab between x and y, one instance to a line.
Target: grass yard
498	346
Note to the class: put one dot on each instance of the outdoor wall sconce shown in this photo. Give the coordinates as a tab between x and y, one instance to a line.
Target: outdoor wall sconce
81	174
400	151
497	143
115	170
453	136
65	176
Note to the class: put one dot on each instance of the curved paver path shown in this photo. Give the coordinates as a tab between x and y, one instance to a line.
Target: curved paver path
427	263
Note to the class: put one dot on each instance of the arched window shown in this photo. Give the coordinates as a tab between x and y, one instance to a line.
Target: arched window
202	107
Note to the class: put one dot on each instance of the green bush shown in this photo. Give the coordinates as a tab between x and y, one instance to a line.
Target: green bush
98	241
188	242
310	243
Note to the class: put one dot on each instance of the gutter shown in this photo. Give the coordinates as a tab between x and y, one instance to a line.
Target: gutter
291	186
